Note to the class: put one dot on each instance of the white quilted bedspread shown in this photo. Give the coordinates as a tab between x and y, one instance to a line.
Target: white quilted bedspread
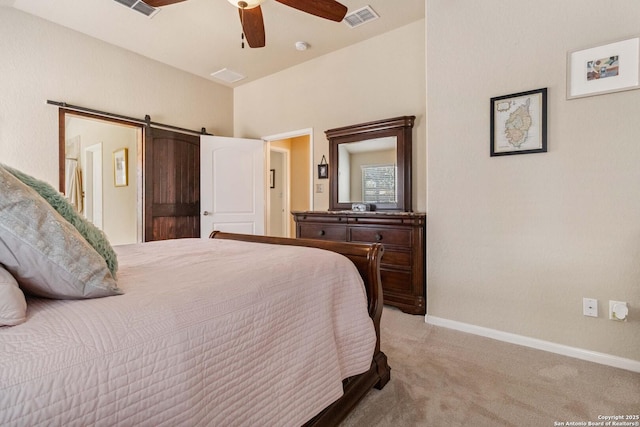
205	334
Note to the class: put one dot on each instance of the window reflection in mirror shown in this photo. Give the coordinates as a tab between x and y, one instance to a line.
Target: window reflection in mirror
367	171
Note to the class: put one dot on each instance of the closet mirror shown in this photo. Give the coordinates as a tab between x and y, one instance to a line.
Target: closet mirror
371	163
88	145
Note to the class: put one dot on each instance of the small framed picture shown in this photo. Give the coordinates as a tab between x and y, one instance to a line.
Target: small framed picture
120	173
272	178
323	171
608	68
519	123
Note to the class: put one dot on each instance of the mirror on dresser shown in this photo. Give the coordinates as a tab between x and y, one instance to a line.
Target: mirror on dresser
370	163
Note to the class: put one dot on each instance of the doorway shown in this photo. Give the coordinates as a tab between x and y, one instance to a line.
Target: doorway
298	177
278	192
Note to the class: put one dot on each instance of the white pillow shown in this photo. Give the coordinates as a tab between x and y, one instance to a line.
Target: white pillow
43	251
13	306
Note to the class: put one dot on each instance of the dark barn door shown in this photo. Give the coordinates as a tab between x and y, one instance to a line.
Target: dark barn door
172	185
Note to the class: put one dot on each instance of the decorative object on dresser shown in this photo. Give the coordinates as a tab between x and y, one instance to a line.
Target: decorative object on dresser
403	235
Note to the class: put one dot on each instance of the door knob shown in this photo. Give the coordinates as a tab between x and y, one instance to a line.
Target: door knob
205	213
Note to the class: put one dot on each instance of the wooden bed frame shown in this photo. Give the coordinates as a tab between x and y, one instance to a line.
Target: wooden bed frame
366	258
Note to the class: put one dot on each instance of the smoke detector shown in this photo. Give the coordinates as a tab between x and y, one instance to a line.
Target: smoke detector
302	45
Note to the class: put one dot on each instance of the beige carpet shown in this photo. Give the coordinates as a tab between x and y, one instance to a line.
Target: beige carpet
442	377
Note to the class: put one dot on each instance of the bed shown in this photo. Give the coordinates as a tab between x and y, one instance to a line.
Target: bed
174	349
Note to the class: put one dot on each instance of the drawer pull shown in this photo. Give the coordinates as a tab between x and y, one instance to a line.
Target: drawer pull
378	237
321	233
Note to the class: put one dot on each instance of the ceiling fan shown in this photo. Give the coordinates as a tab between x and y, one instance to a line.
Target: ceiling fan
251	14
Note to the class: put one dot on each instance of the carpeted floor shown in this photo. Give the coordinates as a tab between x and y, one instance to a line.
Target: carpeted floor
442	377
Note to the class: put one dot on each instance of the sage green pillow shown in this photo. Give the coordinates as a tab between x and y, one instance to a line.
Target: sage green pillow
90	232
43	251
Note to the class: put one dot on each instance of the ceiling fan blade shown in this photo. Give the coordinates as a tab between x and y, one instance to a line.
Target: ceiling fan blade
328	9
253	26
160	3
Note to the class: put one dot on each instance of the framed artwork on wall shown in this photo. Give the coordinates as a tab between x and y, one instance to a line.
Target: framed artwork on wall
272	178
519	123
607	68
121	176
323	169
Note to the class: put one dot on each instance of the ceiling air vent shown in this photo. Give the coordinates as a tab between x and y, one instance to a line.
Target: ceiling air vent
360	16
139	6
228	75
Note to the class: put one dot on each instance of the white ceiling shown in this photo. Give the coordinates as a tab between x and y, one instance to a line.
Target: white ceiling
203	36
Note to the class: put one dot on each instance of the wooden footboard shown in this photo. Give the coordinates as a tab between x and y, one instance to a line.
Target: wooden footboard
366	258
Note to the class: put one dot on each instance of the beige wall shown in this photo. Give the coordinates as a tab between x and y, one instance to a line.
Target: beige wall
376	79
516	242
42	61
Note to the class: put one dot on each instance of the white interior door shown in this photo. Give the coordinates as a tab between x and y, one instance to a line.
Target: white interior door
232	185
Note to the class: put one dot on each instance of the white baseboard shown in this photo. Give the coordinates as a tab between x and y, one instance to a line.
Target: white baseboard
578	353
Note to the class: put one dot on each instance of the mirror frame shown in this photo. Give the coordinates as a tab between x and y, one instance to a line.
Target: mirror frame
402	129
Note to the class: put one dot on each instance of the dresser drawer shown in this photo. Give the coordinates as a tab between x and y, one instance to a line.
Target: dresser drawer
397	281
386	236
396	258
324	219
323	232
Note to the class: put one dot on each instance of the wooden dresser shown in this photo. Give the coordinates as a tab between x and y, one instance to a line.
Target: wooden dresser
403	235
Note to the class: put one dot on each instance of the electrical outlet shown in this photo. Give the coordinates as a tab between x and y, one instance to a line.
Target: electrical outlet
618	310
590	307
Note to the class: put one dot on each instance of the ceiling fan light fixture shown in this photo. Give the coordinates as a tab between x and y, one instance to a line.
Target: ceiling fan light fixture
250	4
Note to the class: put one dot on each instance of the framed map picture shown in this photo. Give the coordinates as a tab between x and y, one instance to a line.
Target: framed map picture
519	123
